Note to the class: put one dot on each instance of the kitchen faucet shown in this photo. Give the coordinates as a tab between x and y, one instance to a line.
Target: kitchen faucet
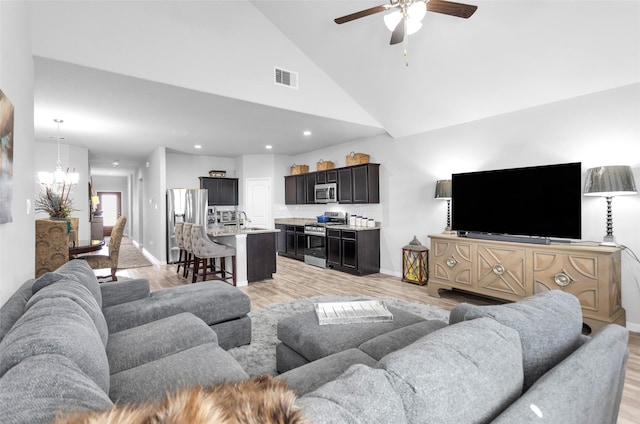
246	219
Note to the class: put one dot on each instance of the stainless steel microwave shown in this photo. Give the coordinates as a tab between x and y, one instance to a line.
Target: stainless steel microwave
326	193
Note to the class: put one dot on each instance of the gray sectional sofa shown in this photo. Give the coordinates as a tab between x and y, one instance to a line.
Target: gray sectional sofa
69	343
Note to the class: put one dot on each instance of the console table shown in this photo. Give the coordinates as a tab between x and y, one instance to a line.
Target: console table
511	271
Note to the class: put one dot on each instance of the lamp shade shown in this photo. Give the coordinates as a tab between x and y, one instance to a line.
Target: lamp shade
443	189
607	181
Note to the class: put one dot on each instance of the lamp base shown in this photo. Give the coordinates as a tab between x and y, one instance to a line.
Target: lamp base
448	230
609	240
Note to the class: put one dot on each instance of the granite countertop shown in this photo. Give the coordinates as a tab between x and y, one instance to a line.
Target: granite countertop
230	230
295	221
303	221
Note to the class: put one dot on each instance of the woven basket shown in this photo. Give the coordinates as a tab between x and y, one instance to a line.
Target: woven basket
299	169
323	165
357	158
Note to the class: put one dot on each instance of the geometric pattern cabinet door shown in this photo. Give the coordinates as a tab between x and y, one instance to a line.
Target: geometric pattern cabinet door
450	262
511	271
594	278
501	271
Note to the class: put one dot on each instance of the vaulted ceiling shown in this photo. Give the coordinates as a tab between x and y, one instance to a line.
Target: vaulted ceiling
129	76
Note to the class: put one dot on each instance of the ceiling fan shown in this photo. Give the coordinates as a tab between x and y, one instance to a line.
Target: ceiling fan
409	14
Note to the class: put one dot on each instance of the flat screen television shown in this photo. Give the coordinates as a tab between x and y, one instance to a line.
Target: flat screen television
538	201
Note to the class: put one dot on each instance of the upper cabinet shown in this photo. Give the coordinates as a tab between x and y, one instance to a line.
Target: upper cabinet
222	191
356	184
359	184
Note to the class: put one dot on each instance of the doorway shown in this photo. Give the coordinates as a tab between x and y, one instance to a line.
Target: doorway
111	207
258	202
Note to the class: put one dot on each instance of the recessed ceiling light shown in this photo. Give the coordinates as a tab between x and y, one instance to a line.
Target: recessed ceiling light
197	146
268	147
180	133
307	133
115	163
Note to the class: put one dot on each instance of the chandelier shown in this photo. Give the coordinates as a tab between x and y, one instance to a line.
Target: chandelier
58	178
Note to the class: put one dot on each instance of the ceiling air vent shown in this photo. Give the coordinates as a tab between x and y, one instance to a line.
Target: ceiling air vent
284	77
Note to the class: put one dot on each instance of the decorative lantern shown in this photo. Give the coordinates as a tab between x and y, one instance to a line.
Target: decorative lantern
415	262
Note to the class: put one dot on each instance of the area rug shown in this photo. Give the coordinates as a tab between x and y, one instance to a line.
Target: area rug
131	257
260	356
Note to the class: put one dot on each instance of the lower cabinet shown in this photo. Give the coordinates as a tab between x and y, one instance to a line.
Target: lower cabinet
355	252
290	241
511	271
261	248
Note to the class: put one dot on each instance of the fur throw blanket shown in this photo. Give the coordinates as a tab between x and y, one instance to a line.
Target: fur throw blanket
260	400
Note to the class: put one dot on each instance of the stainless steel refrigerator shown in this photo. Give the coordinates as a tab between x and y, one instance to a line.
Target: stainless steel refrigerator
183	205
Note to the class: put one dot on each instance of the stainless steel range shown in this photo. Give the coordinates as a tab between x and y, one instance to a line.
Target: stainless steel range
315	248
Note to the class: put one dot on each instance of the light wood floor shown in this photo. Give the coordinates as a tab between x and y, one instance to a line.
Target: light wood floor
296	280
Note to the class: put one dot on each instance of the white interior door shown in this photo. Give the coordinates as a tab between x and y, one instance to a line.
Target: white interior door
258	202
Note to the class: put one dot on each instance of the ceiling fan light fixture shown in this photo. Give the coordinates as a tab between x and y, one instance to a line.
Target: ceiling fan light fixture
415	14
417	11
391	20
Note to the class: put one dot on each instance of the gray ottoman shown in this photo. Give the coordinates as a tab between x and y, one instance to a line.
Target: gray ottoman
303	340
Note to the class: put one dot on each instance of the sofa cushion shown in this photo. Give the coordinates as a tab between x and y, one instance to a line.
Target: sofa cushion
302	333
464	373
75	269
122	291
210	301
309	377
360	395
585	388
14	307
138	345
389	342
33	391
204	365
78	293
549	324
57	325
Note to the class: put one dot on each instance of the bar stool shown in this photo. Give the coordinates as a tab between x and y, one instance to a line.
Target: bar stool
208	251
179	243
186	244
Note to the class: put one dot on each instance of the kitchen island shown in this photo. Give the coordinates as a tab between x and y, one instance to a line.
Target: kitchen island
255	251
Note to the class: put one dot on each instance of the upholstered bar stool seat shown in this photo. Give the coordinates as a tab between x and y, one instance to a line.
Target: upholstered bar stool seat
187	245
207	251
180	243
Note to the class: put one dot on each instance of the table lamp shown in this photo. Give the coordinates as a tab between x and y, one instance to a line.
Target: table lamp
609	181
443	192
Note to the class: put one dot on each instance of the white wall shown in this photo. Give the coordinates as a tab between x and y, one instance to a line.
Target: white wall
598	129
183	170
153	191
17	251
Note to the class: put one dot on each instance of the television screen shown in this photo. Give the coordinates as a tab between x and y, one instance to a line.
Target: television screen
543	201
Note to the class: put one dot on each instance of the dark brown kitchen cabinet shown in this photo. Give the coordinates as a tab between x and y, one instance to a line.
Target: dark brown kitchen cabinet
290	241
221	191
311	188
324	177
299	189
281	239
344	186
355	252
261	248
356	184
359	184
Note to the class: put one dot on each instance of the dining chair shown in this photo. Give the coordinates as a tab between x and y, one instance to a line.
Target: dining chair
110	260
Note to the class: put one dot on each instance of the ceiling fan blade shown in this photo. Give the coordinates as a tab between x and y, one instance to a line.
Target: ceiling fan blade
398	33
459	10
361	14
